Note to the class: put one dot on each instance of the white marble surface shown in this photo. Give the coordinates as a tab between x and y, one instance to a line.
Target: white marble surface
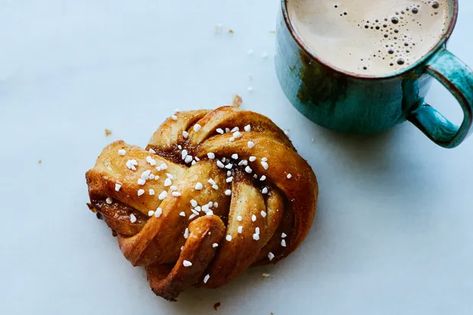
394	229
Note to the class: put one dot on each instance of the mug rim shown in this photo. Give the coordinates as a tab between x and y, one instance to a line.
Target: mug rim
445	36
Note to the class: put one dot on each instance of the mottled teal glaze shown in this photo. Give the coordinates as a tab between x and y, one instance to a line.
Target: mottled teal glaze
353	103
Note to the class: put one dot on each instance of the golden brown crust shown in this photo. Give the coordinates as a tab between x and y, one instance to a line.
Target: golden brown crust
213	193
161	238
198	250
300	191
237	255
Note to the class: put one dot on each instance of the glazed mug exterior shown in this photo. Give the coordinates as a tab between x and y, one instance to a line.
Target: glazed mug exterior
353	103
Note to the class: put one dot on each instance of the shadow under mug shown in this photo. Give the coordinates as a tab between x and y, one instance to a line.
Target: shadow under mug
352	103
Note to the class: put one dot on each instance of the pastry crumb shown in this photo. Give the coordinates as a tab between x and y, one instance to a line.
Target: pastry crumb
40	161
217	305
237	101
265	275
107	132
231	31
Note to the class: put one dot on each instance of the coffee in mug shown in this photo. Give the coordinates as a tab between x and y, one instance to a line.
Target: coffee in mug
364	66
373	38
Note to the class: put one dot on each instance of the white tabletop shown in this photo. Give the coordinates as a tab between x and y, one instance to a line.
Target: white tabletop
393	233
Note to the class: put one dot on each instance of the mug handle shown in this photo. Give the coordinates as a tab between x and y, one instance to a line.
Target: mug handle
457	77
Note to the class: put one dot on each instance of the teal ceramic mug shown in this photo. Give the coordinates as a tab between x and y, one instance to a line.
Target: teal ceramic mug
352	103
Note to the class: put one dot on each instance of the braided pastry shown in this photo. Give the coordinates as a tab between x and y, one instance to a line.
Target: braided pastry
213	193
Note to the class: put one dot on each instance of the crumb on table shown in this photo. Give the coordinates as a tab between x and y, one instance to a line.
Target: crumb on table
237	101
107	132
217	305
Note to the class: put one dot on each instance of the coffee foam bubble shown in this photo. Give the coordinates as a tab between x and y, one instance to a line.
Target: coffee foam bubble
369	37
